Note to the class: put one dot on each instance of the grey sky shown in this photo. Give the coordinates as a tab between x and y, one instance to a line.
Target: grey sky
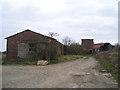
77	19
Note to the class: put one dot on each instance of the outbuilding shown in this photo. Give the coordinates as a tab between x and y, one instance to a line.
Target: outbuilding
21	45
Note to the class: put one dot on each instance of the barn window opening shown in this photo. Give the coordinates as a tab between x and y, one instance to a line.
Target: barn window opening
29	49
32	47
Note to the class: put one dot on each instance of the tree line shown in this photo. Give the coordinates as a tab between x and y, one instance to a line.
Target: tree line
70	46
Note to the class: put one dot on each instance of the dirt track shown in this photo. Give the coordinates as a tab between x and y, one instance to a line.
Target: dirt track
80	73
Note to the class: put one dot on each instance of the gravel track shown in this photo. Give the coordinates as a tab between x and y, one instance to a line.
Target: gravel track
79	73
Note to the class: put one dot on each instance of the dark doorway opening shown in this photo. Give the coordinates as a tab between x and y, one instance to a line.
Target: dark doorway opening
90	51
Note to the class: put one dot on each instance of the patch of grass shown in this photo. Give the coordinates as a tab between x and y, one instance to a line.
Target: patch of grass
65	58
2	55
59	60
19	63
88	55
109	61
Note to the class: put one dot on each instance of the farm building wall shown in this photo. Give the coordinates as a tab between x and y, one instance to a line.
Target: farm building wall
87	45
39	49
12	42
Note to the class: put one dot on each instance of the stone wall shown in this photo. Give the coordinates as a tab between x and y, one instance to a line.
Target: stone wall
39	49
23	49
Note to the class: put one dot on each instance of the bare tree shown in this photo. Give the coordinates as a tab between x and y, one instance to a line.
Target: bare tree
53	34
67	41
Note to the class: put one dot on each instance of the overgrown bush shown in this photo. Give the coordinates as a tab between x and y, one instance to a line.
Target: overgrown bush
45	51
51	51
73	49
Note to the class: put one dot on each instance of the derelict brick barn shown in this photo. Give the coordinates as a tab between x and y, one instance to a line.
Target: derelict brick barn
15	43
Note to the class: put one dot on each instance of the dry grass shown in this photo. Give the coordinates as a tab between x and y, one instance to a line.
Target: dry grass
65	58
109	61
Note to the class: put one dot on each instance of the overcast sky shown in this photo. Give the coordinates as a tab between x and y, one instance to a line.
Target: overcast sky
77	19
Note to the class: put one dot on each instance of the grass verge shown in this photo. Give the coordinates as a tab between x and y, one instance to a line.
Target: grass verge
19	63
59	60
65	58
109	61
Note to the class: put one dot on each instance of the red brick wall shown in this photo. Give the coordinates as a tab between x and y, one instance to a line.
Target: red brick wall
87	44
12	42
